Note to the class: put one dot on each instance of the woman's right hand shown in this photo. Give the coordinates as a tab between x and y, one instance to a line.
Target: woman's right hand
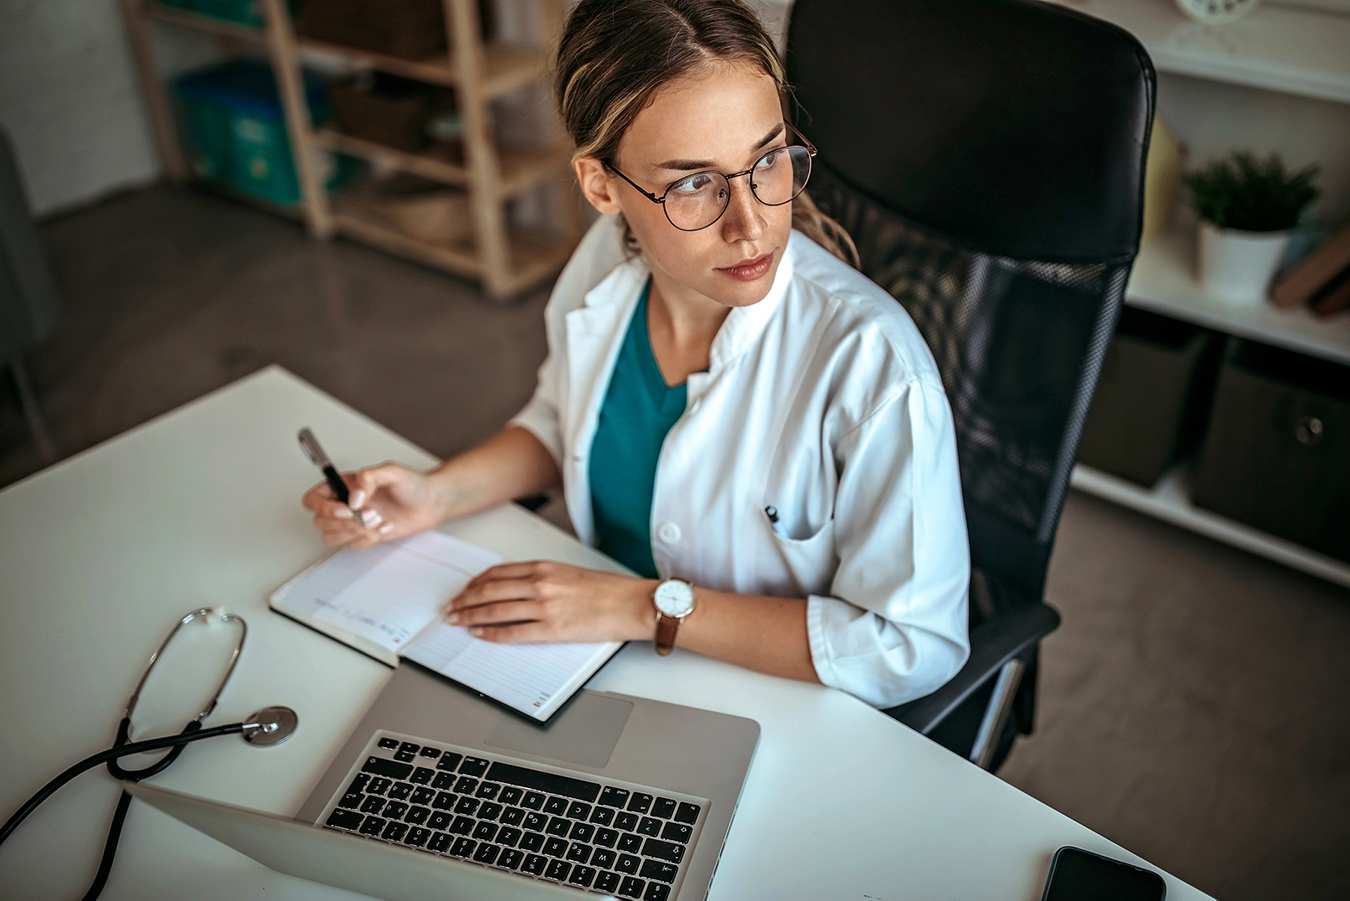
394	502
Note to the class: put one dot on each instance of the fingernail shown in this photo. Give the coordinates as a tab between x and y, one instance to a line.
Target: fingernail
344	513
452	619
476	632
386	528
369	518
358	498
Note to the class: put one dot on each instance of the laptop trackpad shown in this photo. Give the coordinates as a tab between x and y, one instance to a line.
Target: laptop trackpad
585	733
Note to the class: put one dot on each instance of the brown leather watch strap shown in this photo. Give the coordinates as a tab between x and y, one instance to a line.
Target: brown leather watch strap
666	627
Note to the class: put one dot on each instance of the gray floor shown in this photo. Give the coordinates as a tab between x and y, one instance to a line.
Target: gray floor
1194	701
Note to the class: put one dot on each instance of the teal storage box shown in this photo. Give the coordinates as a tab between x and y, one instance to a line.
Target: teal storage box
235	129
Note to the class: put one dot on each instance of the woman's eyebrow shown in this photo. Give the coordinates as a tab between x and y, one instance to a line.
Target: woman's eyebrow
694	165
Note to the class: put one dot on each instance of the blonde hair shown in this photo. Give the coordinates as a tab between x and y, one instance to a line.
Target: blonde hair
614	55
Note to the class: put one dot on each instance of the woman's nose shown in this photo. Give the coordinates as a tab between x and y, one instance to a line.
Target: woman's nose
741	221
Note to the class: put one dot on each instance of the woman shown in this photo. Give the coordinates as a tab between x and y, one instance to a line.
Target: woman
733	412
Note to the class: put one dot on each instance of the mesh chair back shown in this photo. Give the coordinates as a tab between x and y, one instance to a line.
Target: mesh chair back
987	157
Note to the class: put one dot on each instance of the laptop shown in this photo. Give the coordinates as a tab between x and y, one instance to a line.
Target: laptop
438	793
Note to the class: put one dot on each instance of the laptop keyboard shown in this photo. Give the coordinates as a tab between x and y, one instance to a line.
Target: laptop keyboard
578	830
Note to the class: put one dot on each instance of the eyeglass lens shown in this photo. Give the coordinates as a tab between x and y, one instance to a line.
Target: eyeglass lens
698	201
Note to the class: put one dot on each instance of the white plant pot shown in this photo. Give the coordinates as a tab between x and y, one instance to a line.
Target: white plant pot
1236	266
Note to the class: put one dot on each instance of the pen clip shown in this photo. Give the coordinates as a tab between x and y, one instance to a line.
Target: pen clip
310	444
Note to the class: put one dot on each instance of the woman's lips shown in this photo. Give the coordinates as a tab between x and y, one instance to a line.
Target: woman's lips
749	270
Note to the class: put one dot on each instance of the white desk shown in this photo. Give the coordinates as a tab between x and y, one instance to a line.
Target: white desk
100	554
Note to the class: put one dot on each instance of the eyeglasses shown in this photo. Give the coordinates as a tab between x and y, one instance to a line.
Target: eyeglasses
698	200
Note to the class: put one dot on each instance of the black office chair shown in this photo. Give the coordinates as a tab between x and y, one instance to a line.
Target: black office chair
987	157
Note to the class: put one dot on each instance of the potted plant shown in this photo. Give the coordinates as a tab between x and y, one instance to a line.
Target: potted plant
1247	207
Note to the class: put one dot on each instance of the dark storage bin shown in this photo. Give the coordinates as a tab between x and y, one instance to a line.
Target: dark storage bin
1149	406
387	109
409	29
1277	454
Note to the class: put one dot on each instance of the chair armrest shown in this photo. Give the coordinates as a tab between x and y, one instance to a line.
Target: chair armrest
992	644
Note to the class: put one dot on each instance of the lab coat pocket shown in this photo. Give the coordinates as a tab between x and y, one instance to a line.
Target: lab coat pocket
797	567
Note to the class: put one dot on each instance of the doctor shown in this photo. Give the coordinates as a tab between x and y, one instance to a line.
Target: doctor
731	410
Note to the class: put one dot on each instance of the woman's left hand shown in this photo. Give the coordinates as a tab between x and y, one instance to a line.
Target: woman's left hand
547	601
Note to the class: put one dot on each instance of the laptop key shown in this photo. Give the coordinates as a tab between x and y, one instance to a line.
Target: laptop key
640	802
632	887
582	832
628	864
443	780
663	808
400	791
449	760
417	836
422	795
536	821
421	775
474	766
344	819
511	795
556	826
372	826
351	800
430	752
578	810
513	816
668	851
607	881
463	847
649	826
417	816
626	821
440	842
486	853
466	785
488	790
439	820
533	800
466	805
655	869
462	825
614	797
555	847
556	806
557	869
445	801
379	766
409	748
606	837
688	813
489	811
395	809
389	744
372	804
510	858
603	858
485	831
656	891
359	783
676	832
534	864
579	853
508	835
379	785
544	782
630	842
602	815
532	841
582	876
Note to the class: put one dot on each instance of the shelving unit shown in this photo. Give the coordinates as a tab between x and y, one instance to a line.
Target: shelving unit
506	260
1287	49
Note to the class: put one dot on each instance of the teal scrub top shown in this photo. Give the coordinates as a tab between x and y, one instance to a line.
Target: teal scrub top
638	411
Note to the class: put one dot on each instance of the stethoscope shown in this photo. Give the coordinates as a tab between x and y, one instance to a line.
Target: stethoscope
268	726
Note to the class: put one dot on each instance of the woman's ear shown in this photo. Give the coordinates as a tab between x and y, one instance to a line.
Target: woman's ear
597	185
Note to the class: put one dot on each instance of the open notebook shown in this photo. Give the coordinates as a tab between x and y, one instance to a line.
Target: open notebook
386	601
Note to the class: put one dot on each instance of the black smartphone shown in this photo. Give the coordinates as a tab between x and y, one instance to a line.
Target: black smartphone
1078	875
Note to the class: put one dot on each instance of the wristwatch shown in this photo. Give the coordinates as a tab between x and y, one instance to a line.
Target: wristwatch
674	600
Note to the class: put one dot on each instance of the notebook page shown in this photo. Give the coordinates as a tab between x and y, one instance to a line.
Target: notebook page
388	593
533	678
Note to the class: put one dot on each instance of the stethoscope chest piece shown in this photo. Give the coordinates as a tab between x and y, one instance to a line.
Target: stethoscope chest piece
270	726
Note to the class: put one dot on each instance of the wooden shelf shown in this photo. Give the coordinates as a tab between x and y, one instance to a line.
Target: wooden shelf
521	167
1170	501
533	257
506	68
197	21
1293	50
1163	280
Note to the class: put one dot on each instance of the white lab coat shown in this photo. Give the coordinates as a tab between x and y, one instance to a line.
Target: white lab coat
822	401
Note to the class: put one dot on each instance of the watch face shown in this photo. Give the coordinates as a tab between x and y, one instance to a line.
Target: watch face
674	598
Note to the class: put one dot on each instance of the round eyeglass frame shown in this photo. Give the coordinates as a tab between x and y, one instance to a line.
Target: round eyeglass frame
811	155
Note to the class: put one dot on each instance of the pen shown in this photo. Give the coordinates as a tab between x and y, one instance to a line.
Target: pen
320	459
